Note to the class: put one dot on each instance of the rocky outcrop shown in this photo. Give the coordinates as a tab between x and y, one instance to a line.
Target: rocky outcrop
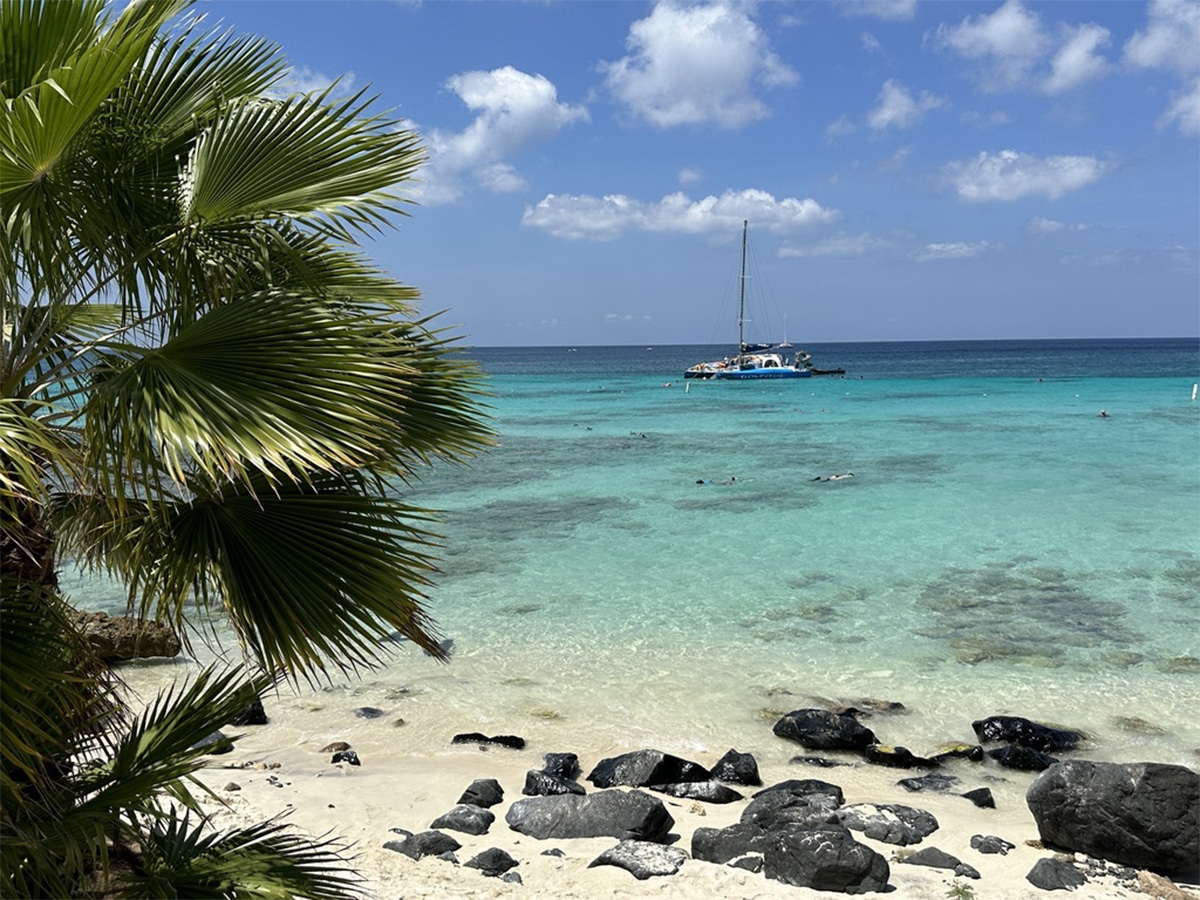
120	638
820	729
465	818
737	768
1139	814
828	860
626	815
643	768
485	792
1026	733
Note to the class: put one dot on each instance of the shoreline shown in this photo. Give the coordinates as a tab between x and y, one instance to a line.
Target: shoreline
408	789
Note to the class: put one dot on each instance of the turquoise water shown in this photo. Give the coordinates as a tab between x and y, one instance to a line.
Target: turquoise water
1000	547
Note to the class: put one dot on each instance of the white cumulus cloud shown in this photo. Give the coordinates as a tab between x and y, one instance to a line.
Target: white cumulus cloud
1184	110
1078	60
1171	39
1016	52
692	65
896	107
514	111
1009	175
583	217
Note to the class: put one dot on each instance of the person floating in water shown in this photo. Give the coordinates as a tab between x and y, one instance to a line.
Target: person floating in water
835	477
732	479
1103	414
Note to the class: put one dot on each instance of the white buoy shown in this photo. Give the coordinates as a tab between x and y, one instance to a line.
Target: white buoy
688	386
1194	386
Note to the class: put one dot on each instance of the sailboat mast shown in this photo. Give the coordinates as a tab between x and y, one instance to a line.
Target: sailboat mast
742	291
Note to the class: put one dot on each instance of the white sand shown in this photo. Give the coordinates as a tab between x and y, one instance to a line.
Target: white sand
409	790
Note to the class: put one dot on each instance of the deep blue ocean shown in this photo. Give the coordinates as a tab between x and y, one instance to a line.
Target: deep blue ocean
647	561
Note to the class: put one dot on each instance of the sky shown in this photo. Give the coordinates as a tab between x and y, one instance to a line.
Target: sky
910	169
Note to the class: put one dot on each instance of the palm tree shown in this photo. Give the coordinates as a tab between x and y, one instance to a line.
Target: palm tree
208	392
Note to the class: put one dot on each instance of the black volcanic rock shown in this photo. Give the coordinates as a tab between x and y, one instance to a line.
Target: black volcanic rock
626	815
643	768
1138	814
819	729
1016	730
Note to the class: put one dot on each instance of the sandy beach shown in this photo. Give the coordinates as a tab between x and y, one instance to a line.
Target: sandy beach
281	768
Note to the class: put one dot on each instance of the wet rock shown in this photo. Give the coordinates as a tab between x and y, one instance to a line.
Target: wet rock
989	843
708	791
484	792
346	756
368	712
737	768
1055	875
254	714
972	752
939	859
626	815
828	860
215	743
425	843
335	747
642	768
562	765
1138	814
889	822
819	729
543	784
1024	759
1017	730
897	758
935	781
501	740
119	638
493	862
465	818
981	797
642	859
233	786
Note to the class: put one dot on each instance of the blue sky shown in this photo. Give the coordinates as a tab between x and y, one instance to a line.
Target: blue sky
911	170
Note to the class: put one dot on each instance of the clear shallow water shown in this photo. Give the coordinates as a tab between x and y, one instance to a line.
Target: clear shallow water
1000	548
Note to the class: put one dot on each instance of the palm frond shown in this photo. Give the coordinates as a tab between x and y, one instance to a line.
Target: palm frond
300	158
266	861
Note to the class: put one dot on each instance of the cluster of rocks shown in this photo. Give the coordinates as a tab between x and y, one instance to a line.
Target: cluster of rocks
1116	818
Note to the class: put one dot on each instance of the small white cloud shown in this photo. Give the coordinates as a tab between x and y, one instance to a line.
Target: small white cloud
840	244
1078	60
957	250
1008	42
888	10
514	111
1176	259
1184	110
1171	39
1009	175
870	43
689	175
585	217
691	65
1042	226
840	128
896	107
614	318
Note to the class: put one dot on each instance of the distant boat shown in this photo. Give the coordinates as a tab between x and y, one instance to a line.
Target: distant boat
755	361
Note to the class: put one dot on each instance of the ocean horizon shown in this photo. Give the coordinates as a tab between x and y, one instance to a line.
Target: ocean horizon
648	561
